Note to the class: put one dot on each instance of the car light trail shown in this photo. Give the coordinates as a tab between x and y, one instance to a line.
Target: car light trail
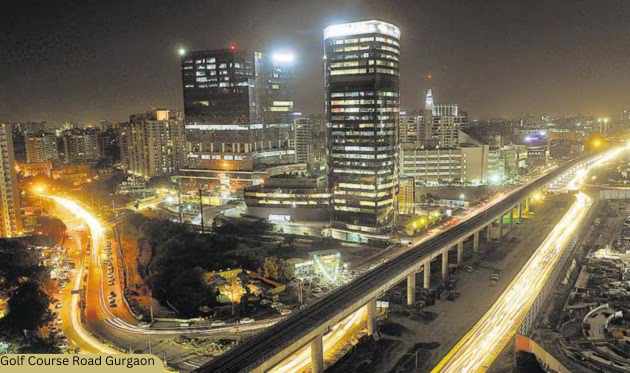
480	346
342	330
476	351
96	232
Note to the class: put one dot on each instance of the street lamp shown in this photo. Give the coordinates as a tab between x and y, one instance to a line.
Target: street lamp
181	51
39	188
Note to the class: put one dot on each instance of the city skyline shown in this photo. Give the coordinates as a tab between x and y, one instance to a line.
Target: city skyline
347	186
553	61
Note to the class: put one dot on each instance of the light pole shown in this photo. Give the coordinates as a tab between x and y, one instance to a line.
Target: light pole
201	210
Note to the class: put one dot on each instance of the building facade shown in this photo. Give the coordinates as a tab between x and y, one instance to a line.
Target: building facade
432	166
10	222
237	106
410	128
155	142
303	140
288	199
41	147
82	145
440	123
362	107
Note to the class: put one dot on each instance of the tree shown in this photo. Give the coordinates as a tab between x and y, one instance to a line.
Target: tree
17	262
273	268
28	308
188	292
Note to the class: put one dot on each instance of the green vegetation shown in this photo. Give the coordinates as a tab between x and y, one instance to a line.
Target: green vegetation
180	259
22	281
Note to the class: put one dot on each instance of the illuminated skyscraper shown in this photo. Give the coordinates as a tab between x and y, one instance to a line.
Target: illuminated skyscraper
237	106
362	106
10	223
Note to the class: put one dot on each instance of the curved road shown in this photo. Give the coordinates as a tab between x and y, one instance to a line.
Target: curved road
89	321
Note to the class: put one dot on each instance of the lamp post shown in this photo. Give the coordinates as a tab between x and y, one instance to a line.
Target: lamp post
201	210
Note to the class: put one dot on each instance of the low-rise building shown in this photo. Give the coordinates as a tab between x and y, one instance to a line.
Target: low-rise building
35	169
432	166
289	198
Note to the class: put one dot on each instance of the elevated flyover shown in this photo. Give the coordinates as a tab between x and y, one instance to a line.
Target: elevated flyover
307	326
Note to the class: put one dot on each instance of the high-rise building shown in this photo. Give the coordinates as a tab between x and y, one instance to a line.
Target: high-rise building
303	138
237	106
10	224
362	107
410	128
41	147
441	123
82	145
155	143
124	142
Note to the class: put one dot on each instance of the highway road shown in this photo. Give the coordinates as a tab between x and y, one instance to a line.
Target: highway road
482	344
476	351
99	327
278	337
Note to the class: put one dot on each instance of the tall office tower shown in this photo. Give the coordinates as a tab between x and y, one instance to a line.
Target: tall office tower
303	139
236	105
362	105
82	145
278	89
10	223
426	119
155	143
41	147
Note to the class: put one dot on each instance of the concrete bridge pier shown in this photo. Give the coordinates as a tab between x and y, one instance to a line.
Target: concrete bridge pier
317	355
427	273
460	253
524	208
476	241
411	289
445	265
371	317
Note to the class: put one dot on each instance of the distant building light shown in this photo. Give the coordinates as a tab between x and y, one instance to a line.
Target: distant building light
283	57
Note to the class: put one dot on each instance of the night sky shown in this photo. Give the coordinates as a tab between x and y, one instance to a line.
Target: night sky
87	61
